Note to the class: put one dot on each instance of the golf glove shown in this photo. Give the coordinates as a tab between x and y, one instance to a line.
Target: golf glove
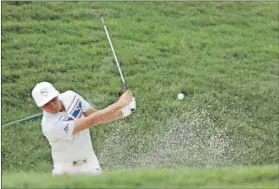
130	108
133	105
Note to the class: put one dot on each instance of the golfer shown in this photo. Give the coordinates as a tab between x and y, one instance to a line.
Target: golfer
66	120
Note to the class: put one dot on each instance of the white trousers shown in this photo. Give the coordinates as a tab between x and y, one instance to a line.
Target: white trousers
68	169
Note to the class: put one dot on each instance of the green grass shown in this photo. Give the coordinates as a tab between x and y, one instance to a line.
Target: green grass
222	55
248	177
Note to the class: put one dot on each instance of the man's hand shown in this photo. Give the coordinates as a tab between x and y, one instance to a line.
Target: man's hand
125	98
129	101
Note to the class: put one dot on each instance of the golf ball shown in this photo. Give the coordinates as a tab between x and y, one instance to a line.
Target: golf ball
180	96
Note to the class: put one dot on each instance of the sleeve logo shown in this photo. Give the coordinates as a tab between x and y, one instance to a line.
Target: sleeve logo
66	128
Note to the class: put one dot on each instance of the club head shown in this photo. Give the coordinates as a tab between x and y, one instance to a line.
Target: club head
96	13
102	20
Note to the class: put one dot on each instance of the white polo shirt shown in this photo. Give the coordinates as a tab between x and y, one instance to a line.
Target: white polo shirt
58	129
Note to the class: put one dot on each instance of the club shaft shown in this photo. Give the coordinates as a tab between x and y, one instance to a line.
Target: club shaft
115	57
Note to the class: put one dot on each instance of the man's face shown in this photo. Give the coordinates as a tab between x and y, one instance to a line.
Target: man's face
54	106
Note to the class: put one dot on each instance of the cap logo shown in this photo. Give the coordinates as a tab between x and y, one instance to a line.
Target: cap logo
44	92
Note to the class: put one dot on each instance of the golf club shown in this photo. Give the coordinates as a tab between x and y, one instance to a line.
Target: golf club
115	57
124	85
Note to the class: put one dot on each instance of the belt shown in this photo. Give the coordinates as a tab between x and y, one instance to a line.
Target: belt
79	162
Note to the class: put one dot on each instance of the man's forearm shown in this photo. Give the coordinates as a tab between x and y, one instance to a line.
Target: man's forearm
106	115
89	111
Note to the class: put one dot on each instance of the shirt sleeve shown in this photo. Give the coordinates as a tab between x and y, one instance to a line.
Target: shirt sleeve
60	130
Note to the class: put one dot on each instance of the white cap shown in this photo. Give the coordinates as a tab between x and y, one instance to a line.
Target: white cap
44	92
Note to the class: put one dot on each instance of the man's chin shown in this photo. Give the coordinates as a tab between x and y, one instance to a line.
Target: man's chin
53	112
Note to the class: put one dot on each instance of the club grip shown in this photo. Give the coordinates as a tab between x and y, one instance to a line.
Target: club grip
125	87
